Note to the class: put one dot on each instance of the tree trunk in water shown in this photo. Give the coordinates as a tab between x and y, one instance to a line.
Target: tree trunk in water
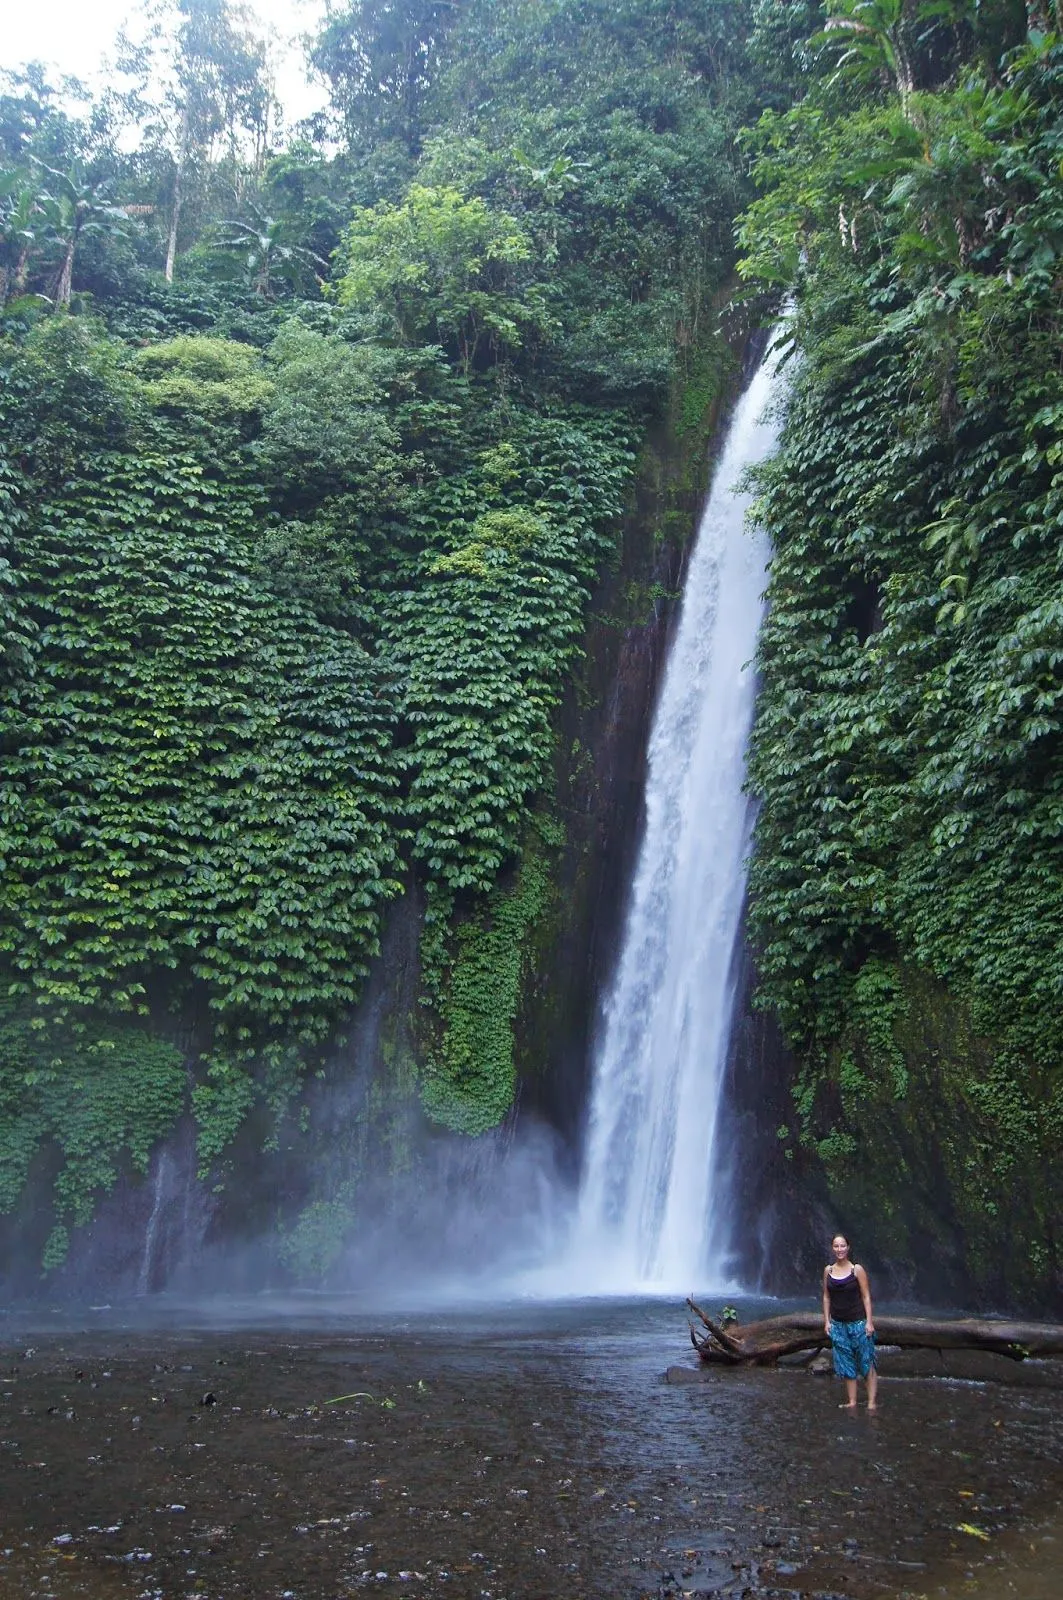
762	1343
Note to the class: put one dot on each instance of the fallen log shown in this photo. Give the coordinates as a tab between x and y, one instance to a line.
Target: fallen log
762	1343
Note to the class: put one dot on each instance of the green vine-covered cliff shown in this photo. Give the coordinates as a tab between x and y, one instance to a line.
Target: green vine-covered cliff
908	878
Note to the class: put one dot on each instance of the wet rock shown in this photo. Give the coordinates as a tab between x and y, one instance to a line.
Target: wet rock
698	1374
822	1366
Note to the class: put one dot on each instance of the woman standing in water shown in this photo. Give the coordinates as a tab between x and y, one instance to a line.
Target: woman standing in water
848	1322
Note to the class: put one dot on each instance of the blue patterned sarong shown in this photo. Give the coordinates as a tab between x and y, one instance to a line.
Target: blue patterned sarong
853	1349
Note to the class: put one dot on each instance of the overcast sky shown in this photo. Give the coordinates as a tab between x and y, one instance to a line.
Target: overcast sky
72	36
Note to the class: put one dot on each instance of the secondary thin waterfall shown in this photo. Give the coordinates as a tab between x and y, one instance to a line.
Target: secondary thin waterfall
650	1212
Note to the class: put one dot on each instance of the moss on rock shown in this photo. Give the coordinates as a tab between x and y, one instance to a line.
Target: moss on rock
937	1146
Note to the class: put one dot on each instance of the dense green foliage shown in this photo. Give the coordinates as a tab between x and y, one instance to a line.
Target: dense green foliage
181	794
908	742
470	1077
313	457
97	1097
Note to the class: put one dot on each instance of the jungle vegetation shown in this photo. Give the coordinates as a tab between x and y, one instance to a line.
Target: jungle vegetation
908	876
313	447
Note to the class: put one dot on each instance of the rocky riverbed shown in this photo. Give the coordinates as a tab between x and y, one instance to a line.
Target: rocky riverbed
523	1453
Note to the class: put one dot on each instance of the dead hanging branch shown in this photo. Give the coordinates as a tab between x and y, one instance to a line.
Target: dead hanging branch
763	1343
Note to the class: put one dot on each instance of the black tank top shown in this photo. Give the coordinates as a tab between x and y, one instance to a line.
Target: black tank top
846	1301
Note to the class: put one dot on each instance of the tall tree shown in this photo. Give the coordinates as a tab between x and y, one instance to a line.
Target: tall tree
73	207
380	56
219	97
20	219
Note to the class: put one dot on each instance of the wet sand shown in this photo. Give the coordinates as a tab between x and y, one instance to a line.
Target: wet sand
522	1454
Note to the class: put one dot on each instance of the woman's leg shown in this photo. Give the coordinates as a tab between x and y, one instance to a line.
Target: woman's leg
872	1389
844	1365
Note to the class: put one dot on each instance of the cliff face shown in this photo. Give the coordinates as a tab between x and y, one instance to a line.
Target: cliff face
604	735
936	1153
352	1180
907	879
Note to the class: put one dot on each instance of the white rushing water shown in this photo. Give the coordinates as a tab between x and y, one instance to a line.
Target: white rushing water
651	1212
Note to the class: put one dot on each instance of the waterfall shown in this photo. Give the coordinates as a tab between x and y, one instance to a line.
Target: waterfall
159	1192
652	1211
178	1219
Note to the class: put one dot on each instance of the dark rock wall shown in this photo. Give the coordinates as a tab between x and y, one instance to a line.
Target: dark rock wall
953	1174
779	1216
938	1209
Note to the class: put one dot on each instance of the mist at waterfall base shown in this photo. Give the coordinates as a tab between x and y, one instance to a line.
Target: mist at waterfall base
468	1220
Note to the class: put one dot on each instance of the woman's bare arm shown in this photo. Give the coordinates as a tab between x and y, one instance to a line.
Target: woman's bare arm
826	1302
865	1295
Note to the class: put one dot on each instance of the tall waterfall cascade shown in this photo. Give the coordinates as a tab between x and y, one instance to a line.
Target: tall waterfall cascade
653	1210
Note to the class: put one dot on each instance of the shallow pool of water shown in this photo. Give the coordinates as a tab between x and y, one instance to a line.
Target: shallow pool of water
317	1448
